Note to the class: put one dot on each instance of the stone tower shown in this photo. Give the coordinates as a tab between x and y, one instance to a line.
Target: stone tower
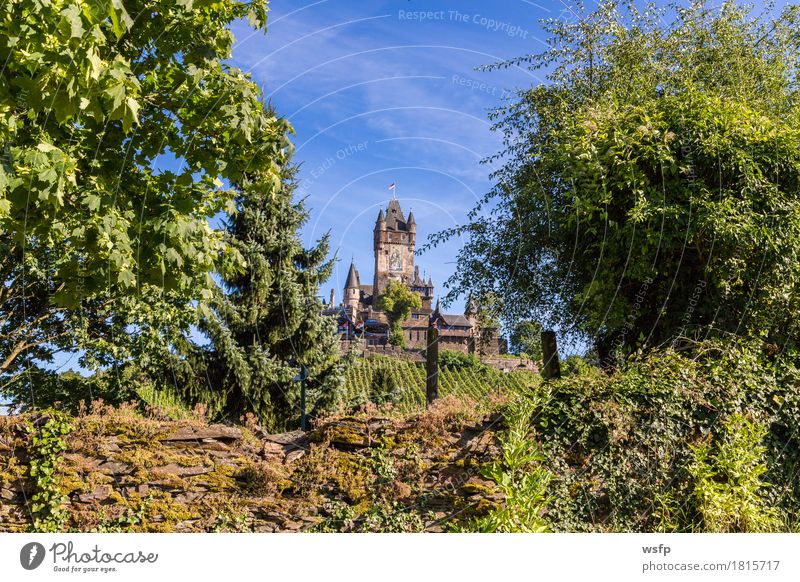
394	242
352	291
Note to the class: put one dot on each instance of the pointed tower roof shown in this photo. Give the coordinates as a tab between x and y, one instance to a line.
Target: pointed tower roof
381	215
411	218
352	278
395	219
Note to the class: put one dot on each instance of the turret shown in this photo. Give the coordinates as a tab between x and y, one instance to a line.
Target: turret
380	224
352	289
412	224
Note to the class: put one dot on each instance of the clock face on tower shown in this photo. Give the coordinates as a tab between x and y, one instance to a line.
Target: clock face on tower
395	260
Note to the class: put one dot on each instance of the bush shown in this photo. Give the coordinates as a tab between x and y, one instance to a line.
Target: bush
458	360
519	475
728	490
385	388
627	448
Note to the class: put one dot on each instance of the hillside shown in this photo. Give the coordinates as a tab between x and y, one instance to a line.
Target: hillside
667	443
473	382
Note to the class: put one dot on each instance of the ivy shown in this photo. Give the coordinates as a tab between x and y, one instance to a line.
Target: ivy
47	445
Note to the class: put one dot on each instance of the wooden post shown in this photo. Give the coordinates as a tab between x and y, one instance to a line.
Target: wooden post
432	365
552	368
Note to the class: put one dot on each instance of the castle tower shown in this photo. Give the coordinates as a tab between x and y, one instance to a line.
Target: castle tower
352	290
394	242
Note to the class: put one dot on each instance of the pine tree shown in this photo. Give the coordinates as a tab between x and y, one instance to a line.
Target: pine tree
266	320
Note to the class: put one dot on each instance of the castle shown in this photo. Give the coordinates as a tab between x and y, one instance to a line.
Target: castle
394	240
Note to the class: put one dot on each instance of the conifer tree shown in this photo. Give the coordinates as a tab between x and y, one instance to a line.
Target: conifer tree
266	320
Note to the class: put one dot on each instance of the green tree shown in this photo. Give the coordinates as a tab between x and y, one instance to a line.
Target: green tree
104	251
397	301
266	321
526	338
651	185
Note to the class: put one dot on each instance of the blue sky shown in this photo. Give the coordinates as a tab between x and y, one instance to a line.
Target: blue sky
387	91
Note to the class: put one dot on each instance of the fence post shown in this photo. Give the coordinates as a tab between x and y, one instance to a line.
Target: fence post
552	368
432	365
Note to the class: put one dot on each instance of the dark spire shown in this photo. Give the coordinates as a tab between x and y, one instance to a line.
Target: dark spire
352	278
394	216
411	218
381	216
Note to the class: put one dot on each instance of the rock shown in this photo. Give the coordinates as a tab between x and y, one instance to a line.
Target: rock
218	432
295	437
111	447
290	525
272	449
293	456
7	494
173	469
210	444
114	468
187	497
479	486
98	494
140	490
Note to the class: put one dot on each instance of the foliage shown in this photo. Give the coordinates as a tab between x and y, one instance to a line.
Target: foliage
576	364
385	388
728	485
66	391
397	301
623	447
47	445
460	360
99	250
520	476
526	338
383	515
650	188
265	322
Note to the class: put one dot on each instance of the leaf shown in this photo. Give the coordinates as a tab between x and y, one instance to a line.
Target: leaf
120	19
173	256
127	278
95	64
48	175
131	114
72	17
117	93
92	201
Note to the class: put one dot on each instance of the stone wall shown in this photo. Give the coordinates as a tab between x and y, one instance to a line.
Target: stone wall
123	471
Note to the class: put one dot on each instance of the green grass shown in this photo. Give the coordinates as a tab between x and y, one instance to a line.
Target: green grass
475	383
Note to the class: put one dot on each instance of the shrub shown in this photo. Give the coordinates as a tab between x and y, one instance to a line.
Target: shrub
519	475
624	446
385	388
728	490
458	360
